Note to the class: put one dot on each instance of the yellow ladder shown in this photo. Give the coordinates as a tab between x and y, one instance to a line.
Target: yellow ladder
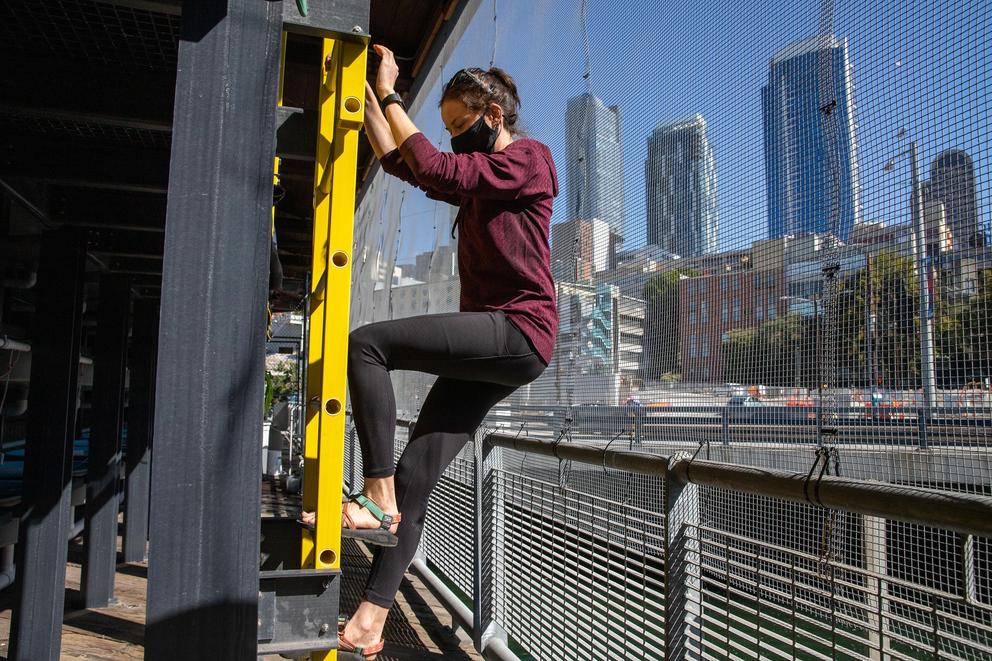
341	113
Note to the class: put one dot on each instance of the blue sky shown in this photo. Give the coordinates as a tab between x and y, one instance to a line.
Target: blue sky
918	65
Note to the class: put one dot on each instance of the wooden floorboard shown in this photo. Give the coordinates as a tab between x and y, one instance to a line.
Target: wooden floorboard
416	629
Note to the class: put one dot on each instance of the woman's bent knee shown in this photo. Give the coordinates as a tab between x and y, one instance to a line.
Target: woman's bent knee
362	345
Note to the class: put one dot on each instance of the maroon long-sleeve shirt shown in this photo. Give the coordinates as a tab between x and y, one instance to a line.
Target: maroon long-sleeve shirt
504	216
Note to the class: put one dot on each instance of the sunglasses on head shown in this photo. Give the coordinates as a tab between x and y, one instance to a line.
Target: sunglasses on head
470	74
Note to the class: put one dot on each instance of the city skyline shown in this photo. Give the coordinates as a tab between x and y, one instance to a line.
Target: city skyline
711	74
680	188
952	182
594	162
810	144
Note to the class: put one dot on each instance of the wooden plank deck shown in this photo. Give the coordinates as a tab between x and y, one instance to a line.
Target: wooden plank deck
416	628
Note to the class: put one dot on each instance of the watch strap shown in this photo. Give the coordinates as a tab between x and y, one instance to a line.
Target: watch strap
392	97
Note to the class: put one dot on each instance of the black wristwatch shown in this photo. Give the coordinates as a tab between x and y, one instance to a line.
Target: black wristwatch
392	97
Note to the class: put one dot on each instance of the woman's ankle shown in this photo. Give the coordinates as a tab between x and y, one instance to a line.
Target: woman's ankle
382	492
369	618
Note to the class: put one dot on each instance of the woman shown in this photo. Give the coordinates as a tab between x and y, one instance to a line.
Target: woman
502	337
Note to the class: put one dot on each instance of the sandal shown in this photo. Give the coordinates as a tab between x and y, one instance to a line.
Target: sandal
379	536
347	651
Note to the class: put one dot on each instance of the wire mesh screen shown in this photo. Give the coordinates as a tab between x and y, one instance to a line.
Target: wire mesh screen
835	585
770	246
112	33
578	576
772	226
70	130
448	539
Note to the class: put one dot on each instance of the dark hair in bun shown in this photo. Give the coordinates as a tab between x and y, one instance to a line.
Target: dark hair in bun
477	89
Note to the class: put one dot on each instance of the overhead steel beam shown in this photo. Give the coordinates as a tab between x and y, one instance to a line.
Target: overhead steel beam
98	210
343	17
85	165
122	242
203	587
81	117
36	624
144	264
170	7
87	93
103	464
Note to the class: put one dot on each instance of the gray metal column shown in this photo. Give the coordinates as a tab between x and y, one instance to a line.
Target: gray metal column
487	549
203	575
104	463
36	625
137	456
683	599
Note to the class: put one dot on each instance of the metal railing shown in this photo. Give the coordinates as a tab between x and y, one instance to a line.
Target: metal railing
558	550
947	426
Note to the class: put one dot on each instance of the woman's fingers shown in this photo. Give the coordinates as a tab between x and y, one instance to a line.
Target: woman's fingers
388	70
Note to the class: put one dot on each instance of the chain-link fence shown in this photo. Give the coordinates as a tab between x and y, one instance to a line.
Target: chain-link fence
771	251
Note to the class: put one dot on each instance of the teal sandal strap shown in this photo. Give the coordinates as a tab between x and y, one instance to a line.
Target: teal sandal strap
385	520
370	505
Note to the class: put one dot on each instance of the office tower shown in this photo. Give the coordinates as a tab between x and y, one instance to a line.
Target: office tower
952	182
594	166
680	181
579	249
811	173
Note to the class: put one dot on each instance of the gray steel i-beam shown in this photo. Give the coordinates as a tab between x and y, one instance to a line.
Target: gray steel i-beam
203	569
36	624
137	457
104	463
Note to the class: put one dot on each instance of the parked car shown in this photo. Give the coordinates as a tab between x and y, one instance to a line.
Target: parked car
745	408
748	408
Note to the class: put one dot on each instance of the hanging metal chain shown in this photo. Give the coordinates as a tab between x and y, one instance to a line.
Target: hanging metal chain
829	540
564	436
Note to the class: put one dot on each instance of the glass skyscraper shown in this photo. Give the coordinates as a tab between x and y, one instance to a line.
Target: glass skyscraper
953	182
811	172
594	170
680	181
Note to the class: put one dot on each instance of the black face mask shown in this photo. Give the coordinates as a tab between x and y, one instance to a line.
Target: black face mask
480	137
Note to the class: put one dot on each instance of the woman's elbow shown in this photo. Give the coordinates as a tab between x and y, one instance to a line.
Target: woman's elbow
436	178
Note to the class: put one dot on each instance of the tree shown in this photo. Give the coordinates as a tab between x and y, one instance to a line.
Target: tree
778	352
661	322
971	335
267	400
894	300
898	320
738	351
285	382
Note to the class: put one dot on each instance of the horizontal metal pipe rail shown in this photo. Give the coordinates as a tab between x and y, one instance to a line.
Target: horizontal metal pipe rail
649	412
970	514
13	345
644	463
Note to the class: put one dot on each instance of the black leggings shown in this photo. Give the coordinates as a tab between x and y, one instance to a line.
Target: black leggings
479	357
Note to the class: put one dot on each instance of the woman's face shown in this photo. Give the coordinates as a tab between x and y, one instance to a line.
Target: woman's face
458	118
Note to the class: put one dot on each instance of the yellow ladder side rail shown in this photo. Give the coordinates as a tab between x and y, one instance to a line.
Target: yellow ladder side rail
318	284
349	113
341	113
278	161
